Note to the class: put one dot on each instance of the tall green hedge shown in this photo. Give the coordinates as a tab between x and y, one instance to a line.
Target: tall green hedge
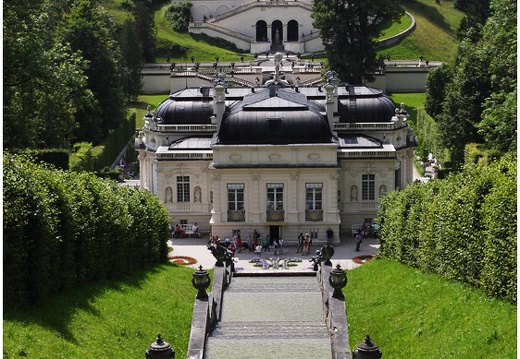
64	229
463	227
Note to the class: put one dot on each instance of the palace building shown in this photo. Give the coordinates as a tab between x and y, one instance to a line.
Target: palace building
276	157
258	26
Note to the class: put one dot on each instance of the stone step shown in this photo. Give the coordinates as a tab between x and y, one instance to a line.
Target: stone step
273	284
267	348
271	317
270	330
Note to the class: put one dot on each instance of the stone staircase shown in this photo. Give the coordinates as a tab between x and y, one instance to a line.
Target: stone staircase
271	317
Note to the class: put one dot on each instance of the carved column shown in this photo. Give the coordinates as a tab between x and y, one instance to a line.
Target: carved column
216	212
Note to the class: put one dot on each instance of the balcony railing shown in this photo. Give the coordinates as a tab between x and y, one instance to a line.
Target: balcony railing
314	215
275	216
236	216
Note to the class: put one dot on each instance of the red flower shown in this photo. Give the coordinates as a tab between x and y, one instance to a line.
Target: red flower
182	260
363	259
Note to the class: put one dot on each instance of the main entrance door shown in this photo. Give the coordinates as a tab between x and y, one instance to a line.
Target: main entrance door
275	232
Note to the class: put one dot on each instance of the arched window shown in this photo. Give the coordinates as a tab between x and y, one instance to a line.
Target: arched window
292	30
261	30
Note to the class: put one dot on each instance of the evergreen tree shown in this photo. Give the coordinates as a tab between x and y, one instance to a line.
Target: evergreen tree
349	30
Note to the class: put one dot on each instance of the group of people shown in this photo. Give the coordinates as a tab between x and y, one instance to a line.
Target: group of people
178	231
304	244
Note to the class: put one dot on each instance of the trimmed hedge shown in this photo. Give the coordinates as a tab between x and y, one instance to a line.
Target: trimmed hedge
85	157
463	227
64	230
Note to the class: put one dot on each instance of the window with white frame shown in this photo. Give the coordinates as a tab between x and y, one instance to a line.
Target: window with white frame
235	196
314	196
368	185
183	188
275	196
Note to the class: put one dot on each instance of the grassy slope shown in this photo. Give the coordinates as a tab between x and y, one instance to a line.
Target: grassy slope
108	320
434	35
409	314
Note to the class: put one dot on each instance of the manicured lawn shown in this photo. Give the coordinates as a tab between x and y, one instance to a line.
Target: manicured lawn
412	101
140	108
407	313
107	320
410	314
434	36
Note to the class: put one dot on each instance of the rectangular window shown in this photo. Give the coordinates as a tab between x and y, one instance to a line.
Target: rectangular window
183	188
235	196
314	196
368	185
275	196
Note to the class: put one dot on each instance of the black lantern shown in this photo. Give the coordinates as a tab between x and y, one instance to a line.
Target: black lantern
200	281
327	251
337	280
160	350
367	350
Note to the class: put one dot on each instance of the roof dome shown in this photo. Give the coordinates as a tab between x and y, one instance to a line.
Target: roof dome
185	109
365	104
275	116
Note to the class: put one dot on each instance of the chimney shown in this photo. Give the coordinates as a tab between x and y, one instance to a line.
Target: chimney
331	104
219	103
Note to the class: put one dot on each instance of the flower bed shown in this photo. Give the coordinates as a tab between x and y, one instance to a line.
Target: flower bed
363	259
182	260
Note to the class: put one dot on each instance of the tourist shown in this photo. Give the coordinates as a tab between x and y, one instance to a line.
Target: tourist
258	250
306	244
300	243
239	243
275	243
250	244
358	240
196	230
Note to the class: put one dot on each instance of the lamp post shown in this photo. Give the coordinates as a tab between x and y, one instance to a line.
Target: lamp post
337	280
367	350
160	350
201	281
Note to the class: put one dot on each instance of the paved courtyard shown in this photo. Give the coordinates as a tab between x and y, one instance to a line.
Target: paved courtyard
343	254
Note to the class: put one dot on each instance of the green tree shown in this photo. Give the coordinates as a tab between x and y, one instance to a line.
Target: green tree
92	32
133	56
498	125
349	30
178	14
464	98
143	12
44	81
436	83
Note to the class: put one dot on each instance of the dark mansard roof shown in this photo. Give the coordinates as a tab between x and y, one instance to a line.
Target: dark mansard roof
284	117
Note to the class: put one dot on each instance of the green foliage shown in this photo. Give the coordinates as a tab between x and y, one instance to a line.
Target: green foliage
477	103
412	314
82	158
349	30
109	319
92	32
178	14
63	230
463	227
170	49
57	157
436	83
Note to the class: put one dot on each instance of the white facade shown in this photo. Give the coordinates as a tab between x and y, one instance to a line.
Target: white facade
195	158
258	26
